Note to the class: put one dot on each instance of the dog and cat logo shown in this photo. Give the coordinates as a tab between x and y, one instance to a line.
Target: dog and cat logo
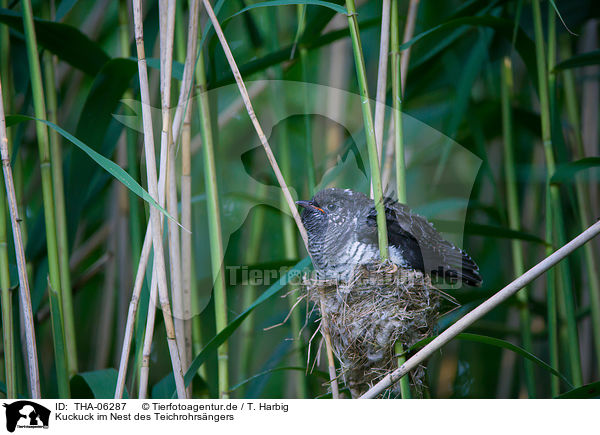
26	414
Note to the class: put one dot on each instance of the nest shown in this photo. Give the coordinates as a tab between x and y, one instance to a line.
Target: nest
379	306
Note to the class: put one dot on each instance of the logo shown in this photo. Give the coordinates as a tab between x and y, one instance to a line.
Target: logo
26	414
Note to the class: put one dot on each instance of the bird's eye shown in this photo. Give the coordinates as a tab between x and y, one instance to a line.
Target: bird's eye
332	207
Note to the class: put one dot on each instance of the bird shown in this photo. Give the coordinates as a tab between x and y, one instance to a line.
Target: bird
341	225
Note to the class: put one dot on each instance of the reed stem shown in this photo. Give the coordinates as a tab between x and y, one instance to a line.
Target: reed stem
10	368
61	215
148	337
214	226
402	59
167	142
135	218
157	243
54	283
31	358
544	69
335	392
506	82
397	97
583	200
552	305
145	252
384	42
369	129
186	191
404	382
398	148
186	237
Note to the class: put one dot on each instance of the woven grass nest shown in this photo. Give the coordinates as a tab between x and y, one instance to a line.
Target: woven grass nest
380	305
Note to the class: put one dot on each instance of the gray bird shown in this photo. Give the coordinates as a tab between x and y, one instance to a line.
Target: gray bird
342	232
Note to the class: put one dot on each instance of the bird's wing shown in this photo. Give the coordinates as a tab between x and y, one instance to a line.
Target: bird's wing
422	246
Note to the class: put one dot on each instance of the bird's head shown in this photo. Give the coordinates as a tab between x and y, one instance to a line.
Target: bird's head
328	209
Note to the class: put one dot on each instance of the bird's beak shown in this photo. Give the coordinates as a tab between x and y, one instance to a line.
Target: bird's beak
307	204
304	204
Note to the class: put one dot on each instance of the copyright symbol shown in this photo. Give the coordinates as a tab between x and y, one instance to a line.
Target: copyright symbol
145	406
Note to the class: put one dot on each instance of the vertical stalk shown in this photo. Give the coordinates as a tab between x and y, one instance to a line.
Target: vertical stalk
186	179
131	138
335	393
33	375
167	33
401	66
6	297
506	84
61	215
552	306
214	225
54	283
409	30
369	129
173	228
186	237
398	150
197	339
135	225
175	256
404	382
145	252
384	42
157	243
6	300
556	215
397	106
148	337
583	200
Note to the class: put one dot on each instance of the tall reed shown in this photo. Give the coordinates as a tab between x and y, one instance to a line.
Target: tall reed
583	200
186	189
58	192
31	356
397	96
157	243
147	243
54	283
506	85
369	129
10	368
135	217
566	295
171	192
214	225
384	42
